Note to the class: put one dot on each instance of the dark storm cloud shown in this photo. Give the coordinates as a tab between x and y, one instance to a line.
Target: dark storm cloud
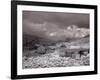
63	19
51	24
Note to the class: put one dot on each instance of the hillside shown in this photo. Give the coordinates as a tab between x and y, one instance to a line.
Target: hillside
41	53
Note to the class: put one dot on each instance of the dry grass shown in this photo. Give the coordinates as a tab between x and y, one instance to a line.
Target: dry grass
53	60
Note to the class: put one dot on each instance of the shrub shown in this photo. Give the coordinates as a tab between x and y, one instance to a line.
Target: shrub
41	50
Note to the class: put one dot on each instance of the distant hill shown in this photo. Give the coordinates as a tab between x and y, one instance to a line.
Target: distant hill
29	41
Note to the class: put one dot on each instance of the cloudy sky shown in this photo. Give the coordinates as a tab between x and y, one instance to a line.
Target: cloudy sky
52	25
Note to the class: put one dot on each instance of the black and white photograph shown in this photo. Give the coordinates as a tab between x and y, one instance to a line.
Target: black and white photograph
54	39
51	39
